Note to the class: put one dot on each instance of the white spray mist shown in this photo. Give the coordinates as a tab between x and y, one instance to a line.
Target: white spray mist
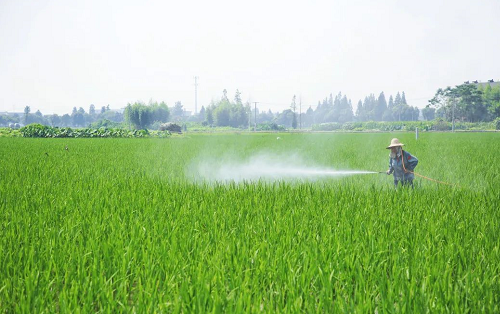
263	167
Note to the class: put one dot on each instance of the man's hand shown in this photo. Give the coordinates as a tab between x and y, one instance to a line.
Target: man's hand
388	172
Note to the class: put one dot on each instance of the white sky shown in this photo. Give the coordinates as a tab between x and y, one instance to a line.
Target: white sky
55	55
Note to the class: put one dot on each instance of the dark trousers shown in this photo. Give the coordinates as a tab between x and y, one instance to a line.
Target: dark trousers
407	183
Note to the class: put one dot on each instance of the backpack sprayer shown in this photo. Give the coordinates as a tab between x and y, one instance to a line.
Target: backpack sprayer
419	175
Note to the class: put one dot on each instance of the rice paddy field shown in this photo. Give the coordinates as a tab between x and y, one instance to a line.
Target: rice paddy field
132	225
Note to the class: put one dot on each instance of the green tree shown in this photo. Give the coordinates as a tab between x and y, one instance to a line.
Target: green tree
178	111
238	115
465	102
160	112
202	114
369	105
380	108
54	120
390	105
428	113
388	114
78	119
345	113
209	116
222	114
285	118
472	99
66	120
139	115
491	99
237	98
398	108
360	113
403	99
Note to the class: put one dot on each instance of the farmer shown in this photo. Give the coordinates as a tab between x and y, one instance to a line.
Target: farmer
401	164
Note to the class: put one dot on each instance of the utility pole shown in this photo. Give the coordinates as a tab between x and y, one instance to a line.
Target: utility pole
300	112
249	119
453	115
195	95
255	117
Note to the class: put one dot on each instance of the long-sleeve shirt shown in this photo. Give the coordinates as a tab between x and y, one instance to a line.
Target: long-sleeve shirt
396	166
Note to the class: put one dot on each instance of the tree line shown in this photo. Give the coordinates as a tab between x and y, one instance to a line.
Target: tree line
78	117
226	112
465	102
332	109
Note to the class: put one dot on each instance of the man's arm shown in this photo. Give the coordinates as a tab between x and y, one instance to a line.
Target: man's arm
391	168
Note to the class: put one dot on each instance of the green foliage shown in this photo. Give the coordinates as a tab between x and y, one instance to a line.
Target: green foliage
209	117
226	113
435	125
178	111
9	132
116	225
497	123
38	130
270	126
333	126
429	113
222	114
338	109
491	98
105	123
468	103
141	116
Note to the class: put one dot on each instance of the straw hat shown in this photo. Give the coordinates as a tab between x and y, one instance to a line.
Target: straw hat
395	143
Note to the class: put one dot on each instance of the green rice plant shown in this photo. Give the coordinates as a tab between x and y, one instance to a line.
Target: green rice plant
119	225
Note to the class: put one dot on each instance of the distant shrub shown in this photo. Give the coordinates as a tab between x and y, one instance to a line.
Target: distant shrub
37	130
9	132
497	123
270	126
172	127
440	125
333	126
105	123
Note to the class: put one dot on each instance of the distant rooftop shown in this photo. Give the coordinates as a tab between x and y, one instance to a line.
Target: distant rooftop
478	83
10	113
